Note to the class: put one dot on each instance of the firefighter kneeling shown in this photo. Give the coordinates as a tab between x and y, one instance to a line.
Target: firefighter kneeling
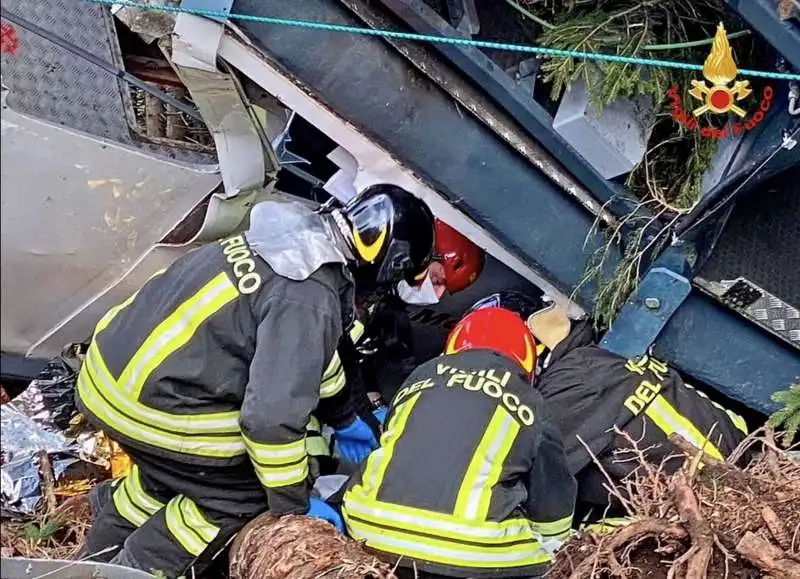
591	391
207	376
471	478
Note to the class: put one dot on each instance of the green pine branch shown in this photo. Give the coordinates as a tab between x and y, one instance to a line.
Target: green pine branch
788	417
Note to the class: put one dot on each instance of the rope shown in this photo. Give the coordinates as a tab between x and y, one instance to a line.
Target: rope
314	25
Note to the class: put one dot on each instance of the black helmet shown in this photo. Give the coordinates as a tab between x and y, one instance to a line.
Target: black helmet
522	304
392	234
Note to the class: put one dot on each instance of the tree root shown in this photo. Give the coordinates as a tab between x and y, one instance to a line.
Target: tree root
699	556
632	533
767	557
776	528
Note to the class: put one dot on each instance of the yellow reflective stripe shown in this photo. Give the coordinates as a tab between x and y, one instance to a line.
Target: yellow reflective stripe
447	552
333	379
606	526
475	494
432	523
282	476
110	314
210	446
555	529
737	420
664	415
316	445
379	459
209	423
275	454
333	386
127	509
190	540
195	519
356	331
176	330
137	494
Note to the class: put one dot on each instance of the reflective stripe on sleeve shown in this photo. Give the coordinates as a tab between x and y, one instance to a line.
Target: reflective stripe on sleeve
316	444
176	330
669	421
475	494
446	552
279	465
356	332
559	529
275	454
282	476
188	525
333	379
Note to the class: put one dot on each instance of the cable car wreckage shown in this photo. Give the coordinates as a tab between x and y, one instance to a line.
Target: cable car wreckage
442	121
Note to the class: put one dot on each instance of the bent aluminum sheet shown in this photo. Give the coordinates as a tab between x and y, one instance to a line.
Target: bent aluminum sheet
24	568
77	213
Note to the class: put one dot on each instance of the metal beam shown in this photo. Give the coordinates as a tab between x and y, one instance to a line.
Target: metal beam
783	35
503	89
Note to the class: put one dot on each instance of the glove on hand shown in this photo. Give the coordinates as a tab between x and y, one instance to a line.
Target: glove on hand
356	441
380	415
319	509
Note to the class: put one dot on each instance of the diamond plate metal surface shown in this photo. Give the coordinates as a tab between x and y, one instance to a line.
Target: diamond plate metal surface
763	308
761	240
50	83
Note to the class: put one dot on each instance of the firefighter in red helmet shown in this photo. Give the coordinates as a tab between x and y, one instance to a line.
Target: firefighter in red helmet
386	347
461	260
471	478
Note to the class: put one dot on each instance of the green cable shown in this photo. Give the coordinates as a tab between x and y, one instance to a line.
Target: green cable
693	43
528	14
313	25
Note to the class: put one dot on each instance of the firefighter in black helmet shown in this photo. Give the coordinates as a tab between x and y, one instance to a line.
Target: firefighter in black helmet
207	375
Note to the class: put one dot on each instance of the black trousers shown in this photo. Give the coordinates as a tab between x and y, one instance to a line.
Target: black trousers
169	517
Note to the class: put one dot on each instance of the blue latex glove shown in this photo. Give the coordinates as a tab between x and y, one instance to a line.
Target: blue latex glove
356	441
380	414
319	509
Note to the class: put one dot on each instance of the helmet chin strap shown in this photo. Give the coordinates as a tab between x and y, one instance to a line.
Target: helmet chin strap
343	228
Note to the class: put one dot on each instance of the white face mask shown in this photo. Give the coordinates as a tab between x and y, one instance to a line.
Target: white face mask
422	295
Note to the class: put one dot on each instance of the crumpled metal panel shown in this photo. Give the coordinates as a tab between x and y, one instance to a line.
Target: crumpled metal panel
77	213
49	83
239	147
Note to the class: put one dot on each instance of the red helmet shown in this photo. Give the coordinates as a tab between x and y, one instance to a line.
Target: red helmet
462	259
495	329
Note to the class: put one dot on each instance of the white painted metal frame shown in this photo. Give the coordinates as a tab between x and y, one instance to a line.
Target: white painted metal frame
375	164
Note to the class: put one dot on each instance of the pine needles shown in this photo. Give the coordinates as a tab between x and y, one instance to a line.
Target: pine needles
787	417
669	180
625	31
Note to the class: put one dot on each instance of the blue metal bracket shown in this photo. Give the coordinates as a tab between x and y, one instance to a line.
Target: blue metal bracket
660	294
762	15
211	5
